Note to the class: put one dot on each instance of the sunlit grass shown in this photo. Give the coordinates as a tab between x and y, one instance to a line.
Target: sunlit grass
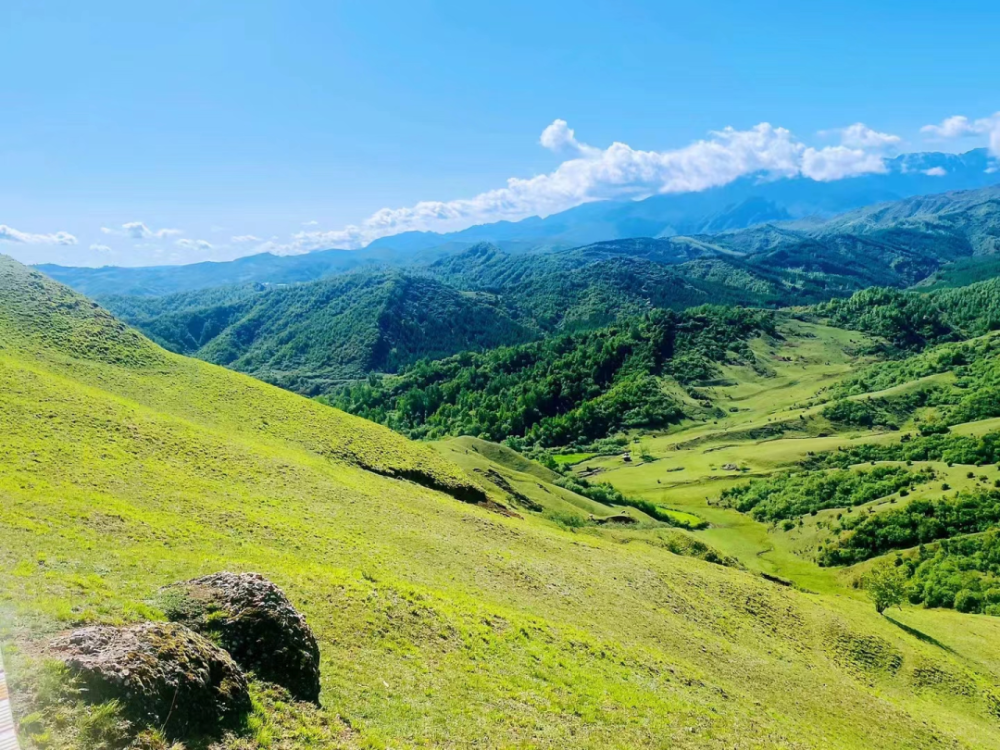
441	624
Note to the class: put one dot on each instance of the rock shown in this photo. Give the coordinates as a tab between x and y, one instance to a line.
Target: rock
730	467
162	673
252	619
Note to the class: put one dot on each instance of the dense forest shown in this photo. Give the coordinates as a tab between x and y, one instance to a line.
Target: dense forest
912	321
962	573
919	522
567	388
789	495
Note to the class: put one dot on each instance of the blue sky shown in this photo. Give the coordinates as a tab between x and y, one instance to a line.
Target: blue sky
140	133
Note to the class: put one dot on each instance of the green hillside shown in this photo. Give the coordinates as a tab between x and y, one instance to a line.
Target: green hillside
287	328
307	337
962	273
568	389
441	623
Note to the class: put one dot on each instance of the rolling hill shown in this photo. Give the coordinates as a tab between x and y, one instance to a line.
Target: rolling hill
311	336
308	337
443	619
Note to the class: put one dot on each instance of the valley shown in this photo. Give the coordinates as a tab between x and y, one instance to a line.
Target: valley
462	591
478	376
314	322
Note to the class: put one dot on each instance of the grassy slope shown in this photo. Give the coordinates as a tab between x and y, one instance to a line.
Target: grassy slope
441	623
689	470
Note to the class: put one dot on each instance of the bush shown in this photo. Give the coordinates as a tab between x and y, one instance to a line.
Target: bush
968	601
885	584
933	428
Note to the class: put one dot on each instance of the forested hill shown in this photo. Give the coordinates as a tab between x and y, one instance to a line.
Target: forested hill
649	372
912	321
311	336
582	386
308	337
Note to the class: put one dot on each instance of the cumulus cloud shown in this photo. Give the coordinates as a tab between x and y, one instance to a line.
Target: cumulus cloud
9	234
957	126
838	162
194	244
99	248
246	238
960	126
860	136
620	172
560	137
137	230
936	172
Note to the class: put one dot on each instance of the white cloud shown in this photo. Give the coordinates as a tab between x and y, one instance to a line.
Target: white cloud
619	172
560	137
246	238
137	230
9	234
860	136
838	162
936	172
960	126
312	223
98	248
194	244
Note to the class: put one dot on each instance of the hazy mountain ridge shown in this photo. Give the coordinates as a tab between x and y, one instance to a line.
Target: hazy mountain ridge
311	335
745	202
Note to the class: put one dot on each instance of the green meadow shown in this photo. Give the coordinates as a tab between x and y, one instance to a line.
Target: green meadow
461	597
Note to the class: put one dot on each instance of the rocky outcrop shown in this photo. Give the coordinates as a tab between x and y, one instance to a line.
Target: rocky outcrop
253	620
162	673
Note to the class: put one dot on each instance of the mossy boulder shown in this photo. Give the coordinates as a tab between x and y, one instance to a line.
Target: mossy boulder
253	620
162	673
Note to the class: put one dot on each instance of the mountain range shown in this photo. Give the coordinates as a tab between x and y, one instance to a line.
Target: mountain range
748	201
314	335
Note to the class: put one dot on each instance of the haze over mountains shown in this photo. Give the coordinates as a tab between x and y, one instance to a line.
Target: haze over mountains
744	202
310	336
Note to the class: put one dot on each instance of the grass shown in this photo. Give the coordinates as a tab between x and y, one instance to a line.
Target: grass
568	459
441	623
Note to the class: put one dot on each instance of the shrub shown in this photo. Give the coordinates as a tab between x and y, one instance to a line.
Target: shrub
885	584
968	601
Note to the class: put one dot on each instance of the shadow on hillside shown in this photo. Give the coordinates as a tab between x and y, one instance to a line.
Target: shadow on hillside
920	636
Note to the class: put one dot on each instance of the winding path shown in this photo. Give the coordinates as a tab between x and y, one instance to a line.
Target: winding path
8	735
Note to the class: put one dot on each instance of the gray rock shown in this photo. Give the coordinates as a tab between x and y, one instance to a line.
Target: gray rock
162	673
253	620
